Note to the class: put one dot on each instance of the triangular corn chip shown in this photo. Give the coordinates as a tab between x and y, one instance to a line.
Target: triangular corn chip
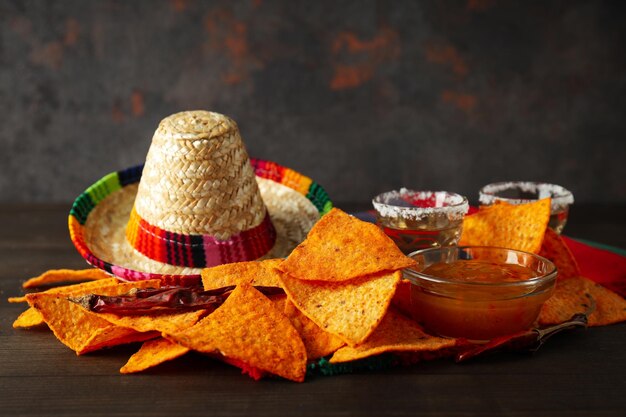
341	247
78	329
56	276
395	333
73	289
575	295
262	273
318	342
32	318
402	298
249	328
349	309
555	249
29	318
162	323
153	353
113	336
519	227
81	330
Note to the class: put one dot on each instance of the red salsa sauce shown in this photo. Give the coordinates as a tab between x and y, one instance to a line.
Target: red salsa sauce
477	270
477	312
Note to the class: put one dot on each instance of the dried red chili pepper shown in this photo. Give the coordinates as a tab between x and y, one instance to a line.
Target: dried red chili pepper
161	300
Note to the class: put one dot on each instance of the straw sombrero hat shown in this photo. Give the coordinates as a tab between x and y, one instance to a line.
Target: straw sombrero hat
198	201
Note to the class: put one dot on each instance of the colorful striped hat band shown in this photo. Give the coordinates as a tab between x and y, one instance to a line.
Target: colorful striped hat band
199	251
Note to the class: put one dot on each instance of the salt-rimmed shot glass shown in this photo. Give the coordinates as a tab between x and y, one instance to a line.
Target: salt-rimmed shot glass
421	219
520	192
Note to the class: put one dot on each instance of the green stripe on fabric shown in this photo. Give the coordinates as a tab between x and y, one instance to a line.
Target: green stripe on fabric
609	248
318	197
82	207
93	195
327	207
105	186
373	363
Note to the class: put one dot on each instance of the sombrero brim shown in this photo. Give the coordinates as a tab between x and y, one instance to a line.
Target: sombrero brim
98	218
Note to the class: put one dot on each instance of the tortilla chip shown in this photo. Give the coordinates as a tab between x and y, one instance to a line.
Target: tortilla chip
113	336
610	307
349	309
261	273
279	300
341	247
56	276
555	249
570	297
81	330
32	318
317	342
162	323
72	289
519	227
29	318
153	353
402	298
73	325
395	333
249	328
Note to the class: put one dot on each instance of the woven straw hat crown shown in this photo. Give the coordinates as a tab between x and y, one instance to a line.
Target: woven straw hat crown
197	178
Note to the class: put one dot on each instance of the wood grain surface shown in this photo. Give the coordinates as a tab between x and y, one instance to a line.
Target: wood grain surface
576	374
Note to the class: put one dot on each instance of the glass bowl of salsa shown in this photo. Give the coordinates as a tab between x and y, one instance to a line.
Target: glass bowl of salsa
478	293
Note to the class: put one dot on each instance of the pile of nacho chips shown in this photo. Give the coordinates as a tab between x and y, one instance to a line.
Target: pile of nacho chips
344	301
338	286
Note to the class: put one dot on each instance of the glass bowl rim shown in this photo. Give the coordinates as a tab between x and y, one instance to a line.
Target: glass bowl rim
455	210
560	195
544	278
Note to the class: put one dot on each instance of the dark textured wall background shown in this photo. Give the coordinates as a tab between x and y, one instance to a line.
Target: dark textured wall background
363	96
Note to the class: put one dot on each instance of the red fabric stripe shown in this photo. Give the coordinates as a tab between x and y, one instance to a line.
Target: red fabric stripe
599	265
178	249
270	170
189	251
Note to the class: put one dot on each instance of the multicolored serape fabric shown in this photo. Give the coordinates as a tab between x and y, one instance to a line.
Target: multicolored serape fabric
294	180
187	250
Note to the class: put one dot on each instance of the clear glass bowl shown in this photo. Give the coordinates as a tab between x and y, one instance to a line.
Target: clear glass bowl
476	309
520	192
421	219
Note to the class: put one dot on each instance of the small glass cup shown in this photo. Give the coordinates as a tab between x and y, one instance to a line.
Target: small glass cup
474	306
421	219
520	192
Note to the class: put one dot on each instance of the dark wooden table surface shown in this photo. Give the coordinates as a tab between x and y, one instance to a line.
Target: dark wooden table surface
582	373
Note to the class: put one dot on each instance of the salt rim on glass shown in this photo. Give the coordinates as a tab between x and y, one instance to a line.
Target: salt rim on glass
398	204
561	198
